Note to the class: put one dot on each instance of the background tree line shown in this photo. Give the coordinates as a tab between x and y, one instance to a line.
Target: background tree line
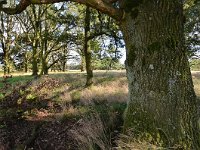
45	37
48	36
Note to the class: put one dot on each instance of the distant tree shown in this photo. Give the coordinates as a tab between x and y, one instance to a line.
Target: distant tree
23	42
192	29
55	36
7	36
34	13
96	26
46	31
106	55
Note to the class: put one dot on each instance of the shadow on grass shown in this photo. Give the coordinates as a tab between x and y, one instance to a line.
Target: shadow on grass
27	119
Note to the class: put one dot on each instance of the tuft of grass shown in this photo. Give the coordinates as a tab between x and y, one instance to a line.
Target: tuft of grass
2	96
31	97
90	134
75	97
67	114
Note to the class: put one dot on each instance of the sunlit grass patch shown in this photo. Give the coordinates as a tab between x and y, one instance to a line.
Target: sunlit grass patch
111	91
16	79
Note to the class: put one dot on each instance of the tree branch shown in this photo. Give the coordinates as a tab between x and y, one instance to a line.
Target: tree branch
101	5
111	1
18	9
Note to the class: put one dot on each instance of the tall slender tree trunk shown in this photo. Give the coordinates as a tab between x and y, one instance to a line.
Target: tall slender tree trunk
6	61
5	68
44	47
64	65
6	27
25	64
162	104
64	59
36	41
34	59
44	69
82	67
25	67
87	50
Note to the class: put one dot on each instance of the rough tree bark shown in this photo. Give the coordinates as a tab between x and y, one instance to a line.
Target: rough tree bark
64	59
87	50
44	69
6	63
162	103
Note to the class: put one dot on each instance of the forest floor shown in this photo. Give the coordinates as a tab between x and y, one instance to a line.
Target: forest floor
57	112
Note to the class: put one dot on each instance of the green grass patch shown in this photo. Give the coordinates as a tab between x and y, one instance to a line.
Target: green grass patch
16	80
195	64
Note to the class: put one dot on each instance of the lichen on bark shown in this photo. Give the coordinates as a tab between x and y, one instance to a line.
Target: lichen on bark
162	103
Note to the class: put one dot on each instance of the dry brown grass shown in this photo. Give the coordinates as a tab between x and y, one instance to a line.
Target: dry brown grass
113	91
196	81
90	134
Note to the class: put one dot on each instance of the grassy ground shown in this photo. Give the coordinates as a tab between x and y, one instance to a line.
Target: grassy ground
57	111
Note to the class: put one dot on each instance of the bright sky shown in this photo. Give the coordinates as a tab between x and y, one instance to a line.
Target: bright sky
124	55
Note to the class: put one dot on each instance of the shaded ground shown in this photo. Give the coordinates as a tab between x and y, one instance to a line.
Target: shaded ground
57	112
26	134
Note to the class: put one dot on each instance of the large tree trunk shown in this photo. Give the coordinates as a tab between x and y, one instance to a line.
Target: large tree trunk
64	65
162	104
44	69
35	55
44	55
87	50
44	50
